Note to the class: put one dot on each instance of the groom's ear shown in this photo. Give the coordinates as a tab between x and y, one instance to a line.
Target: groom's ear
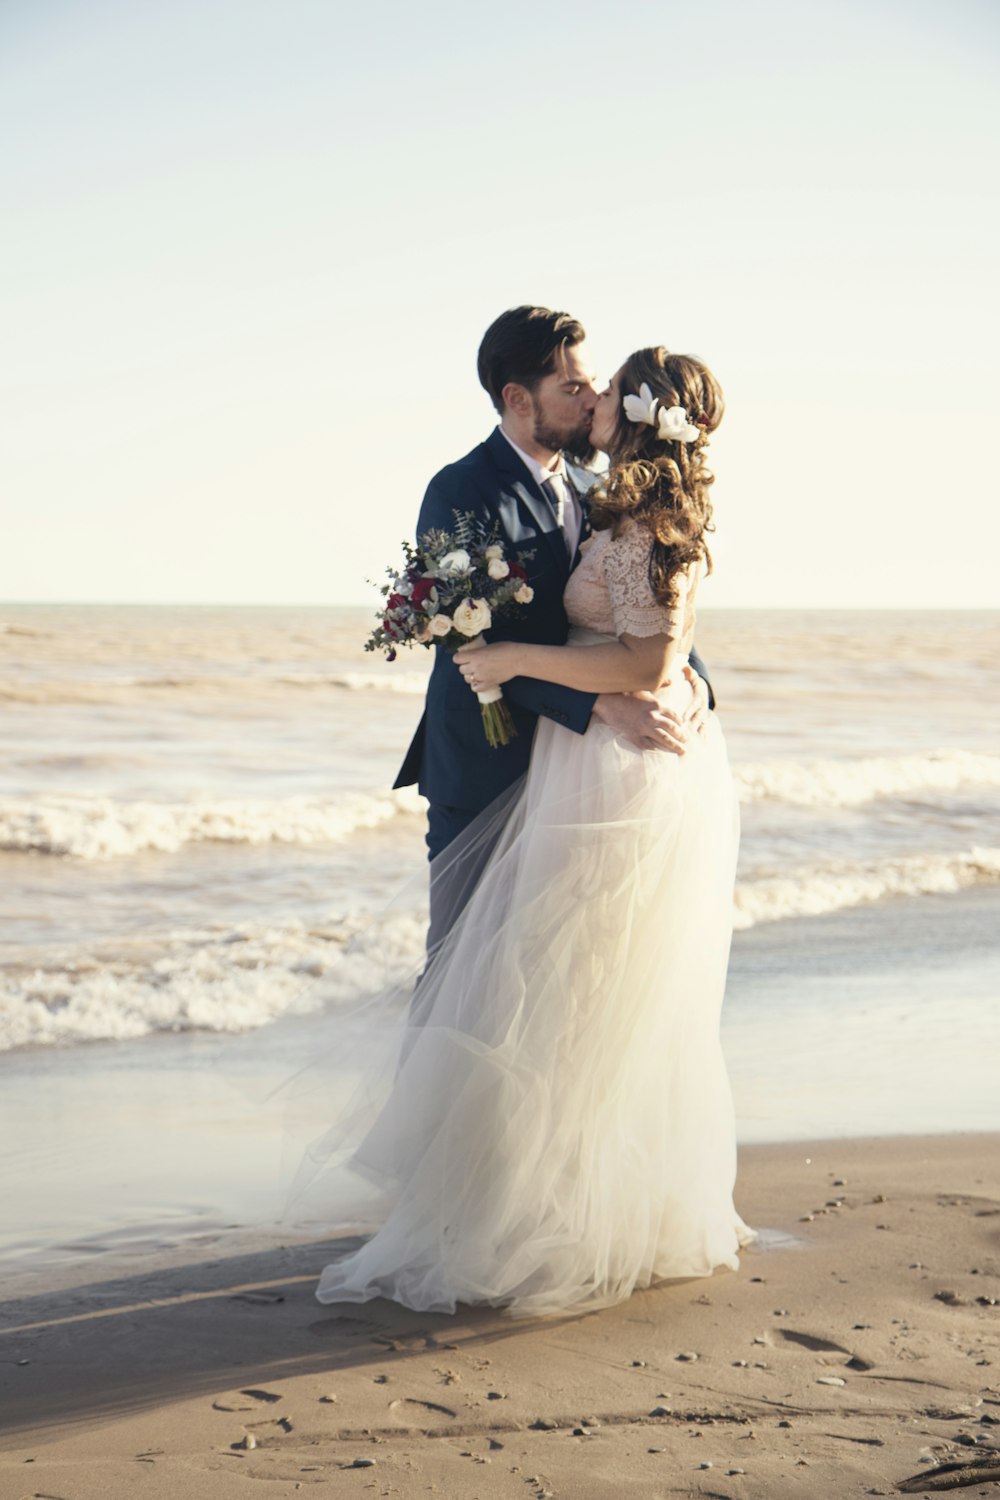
517	398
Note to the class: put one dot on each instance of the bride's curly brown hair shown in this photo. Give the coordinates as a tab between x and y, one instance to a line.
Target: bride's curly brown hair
663	486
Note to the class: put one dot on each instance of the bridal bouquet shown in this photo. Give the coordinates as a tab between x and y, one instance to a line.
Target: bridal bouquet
452	586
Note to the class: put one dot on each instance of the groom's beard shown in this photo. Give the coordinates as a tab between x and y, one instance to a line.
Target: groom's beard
575	442
582	454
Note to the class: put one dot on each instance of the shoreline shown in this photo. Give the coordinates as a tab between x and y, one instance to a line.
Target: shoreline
830	1030
858	1344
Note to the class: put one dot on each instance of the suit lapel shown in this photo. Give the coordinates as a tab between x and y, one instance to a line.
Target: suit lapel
530	495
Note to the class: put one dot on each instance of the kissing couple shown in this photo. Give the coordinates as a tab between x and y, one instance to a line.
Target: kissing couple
559	1130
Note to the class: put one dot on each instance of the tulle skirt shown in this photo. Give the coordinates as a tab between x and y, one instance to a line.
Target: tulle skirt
559	1128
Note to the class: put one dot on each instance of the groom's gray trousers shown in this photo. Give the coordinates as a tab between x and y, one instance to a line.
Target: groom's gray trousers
450	891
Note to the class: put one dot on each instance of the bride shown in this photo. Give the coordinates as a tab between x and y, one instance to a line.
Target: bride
560	1129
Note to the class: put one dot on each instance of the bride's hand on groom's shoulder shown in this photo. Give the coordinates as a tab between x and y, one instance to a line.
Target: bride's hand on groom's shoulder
489	666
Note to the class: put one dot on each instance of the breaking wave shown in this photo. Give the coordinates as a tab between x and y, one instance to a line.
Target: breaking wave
91	827
812	890
124	690
95	828
410	684
231	980
849	783
242	978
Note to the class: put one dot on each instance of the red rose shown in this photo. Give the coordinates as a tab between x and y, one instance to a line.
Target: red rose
517	570
395	601
421	590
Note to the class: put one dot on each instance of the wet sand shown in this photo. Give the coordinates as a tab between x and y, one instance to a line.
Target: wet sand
858	1345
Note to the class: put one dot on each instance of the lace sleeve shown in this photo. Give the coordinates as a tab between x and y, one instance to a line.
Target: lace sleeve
633	604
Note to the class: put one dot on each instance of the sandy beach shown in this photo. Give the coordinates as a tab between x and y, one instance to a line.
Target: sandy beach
859	1345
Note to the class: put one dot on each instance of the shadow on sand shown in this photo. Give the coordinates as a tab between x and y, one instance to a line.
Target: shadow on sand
127	1344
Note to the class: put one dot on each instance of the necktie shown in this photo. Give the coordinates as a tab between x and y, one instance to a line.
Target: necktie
558	491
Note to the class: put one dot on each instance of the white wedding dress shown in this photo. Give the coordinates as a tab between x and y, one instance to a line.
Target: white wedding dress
560	1129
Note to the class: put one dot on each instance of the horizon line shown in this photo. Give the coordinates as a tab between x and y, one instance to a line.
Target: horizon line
373	607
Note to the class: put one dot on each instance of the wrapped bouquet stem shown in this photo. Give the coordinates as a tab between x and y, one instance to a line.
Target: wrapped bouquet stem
497	721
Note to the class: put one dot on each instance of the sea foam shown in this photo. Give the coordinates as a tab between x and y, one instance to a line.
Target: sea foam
121	689
408	684
812	890
207	980
850	783
242	978
91	827
96	828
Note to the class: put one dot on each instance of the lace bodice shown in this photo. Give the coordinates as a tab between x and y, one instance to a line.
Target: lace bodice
610	592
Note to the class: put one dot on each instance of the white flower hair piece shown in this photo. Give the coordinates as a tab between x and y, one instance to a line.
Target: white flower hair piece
671	422
641	408
674	426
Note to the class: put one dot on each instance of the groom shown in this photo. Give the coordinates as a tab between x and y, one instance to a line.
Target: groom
533	367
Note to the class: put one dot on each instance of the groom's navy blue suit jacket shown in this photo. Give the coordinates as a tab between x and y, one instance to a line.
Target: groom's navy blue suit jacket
449	757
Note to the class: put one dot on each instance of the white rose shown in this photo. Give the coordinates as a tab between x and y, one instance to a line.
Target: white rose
473	616
525	594
497	568
455	564
673	425
440	625
493	552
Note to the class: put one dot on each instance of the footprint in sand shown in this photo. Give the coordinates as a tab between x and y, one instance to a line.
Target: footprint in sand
258	1433
811	1341
338	1327
251	1399
275	1427
418	1339
445	1411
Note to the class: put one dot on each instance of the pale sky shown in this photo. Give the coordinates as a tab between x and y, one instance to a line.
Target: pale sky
249	248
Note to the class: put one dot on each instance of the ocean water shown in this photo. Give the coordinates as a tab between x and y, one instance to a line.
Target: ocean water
198	840
195	814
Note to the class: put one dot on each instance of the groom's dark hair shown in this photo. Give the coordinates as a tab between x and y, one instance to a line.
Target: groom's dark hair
521	346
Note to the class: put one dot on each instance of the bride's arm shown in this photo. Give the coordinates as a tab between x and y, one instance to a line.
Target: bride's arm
649	633
627	665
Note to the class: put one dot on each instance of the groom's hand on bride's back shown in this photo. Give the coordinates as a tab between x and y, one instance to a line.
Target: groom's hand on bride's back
696	715
639	717
649	725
